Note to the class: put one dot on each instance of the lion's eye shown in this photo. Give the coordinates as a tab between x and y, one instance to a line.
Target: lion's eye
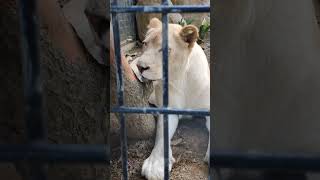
169	50
144	44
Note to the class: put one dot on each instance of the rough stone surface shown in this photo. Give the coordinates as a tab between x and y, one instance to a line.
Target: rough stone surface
144	18
139	126
135	95
74	99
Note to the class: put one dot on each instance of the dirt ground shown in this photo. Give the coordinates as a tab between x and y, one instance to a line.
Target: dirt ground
189	144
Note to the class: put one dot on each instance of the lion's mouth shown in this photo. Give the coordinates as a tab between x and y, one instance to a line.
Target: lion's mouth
139	72
144	79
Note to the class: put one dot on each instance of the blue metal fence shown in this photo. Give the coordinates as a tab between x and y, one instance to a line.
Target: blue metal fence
38	152
164	9
224	159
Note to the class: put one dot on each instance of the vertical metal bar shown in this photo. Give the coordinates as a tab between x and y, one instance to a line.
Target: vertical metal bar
165	90
165	55
31	68
35	124
124	155
212	67
120	89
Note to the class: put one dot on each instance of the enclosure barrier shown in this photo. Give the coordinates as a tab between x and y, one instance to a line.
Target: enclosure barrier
164	9
38	152
223	159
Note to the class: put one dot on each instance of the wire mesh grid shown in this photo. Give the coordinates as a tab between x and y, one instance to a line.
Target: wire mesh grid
164	9
38	152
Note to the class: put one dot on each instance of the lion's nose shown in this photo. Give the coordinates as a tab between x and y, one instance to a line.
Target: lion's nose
141	68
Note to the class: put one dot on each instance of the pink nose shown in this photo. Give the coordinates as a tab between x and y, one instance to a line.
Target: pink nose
141	69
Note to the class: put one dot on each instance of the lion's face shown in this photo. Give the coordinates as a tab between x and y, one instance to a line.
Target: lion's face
180	43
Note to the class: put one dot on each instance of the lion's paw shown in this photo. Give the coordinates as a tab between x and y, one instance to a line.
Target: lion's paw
153	167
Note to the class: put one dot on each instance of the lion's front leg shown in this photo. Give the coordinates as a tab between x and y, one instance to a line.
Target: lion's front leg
153	166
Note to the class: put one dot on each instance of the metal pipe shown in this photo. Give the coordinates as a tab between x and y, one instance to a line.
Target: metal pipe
165	77
302	162
120	92
35	124
55	153
160	9
151	110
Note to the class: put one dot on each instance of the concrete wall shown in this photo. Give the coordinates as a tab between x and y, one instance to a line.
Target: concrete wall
127	22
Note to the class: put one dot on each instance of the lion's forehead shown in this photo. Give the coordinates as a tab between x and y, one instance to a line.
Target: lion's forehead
154	35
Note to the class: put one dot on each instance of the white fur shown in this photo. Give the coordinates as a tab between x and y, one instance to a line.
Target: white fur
189	87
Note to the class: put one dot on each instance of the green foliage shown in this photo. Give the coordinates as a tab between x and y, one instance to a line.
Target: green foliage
184	22
204	29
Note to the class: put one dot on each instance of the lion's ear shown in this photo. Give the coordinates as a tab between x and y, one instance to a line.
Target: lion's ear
154	23
189	34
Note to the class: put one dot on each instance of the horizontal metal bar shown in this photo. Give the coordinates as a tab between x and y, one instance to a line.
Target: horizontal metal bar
160	9
57	153
151	110
265	161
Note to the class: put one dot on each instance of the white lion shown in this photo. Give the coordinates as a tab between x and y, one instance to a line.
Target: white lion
189	83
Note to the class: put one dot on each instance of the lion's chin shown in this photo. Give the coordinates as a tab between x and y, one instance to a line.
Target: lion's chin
148	79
